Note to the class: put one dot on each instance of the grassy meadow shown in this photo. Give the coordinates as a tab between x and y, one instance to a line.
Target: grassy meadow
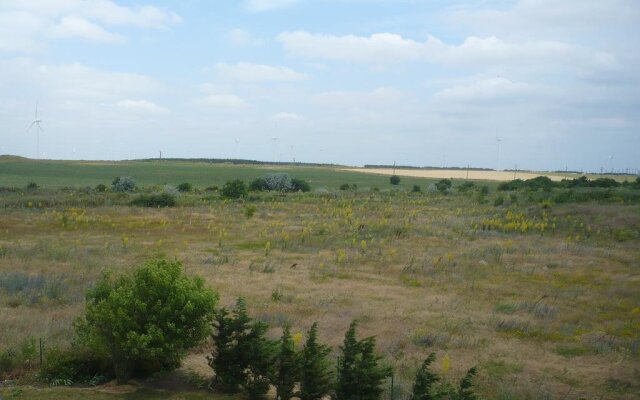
543	297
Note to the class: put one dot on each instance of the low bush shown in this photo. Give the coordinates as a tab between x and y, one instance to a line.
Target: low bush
443	185
300	185
123	184
394	180
416	189
101	188
234	189
157	200
32	186
185	187
63	367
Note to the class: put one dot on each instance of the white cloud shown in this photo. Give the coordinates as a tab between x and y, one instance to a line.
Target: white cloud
388	48
287	117
76	27
258	73
223	101
268	5
141	105
26	25
491	91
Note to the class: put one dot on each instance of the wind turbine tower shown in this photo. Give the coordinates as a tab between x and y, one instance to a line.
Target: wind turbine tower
36	122
499	140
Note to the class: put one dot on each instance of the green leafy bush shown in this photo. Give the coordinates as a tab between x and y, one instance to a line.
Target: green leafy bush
443	185
155	200
101	188
185	187
300	185
74	365
394	180
234	189
32	186
145	321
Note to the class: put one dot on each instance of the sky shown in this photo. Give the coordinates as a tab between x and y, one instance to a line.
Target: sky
527	84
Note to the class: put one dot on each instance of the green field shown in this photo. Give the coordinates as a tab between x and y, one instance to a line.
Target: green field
539	289
55	174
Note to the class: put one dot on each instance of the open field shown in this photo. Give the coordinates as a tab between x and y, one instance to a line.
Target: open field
471	174
543	297
56	174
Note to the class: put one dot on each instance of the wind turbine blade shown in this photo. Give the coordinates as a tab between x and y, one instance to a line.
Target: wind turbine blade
30	125
40	128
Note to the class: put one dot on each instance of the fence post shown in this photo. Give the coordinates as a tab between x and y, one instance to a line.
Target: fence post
391	394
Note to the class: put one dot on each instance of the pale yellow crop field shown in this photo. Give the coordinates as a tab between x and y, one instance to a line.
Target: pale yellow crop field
461	174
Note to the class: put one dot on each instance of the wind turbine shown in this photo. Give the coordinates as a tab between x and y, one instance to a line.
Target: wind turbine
236	149
275	149
36	122
498	139
611	163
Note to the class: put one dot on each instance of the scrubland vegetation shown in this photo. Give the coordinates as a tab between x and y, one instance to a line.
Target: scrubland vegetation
535	284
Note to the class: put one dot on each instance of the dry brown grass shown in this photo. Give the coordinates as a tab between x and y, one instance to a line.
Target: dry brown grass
412	269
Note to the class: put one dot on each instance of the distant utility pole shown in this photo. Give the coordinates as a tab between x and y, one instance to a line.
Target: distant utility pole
394	167
160	154
515	171
467	171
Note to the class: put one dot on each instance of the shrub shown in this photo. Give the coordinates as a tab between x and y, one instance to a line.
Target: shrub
185	187
466	186
416	189
249	211
211	189
101	188
234	189
278	182
300	185
74	365
145	321
394	180
498	201
32	186
345	186
123	184
258	185
154	200
443	185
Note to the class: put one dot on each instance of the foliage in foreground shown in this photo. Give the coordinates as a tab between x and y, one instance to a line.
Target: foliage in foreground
155	200
144	322
234	189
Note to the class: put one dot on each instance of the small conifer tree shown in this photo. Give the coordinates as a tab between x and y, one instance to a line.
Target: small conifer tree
425	381
360	376
287	367
315	375
466	386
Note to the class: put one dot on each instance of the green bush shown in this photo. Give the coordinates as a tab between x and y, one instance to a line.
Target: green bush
185	187
234	189
123	184
32	186
443	185
145	321
74	365
416	189
394	180
300	185
345	186
154	200
101	188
